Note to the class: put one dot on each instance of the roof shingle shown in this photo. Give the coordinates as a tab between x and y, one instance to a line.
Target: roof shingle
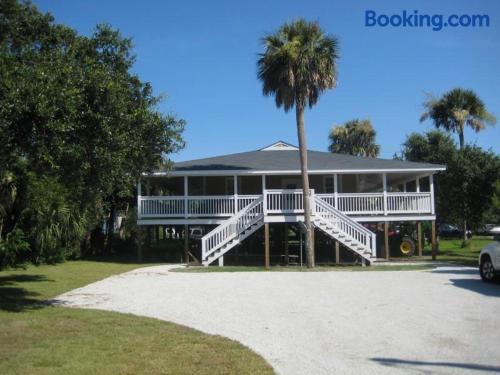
288	160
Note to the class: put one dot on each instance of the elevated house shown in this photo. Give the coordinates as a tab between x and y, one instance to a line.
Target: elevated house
233	196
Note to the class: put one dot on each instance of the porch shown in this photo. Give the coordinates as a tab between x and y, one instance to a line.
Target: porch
377	196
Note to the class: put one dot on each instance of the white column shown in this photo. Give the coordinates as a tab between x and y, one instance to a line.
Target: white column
264	195
221	261
417	182
431	184
384	184
336	190
139	193
235	188
374	245
312	201
185	196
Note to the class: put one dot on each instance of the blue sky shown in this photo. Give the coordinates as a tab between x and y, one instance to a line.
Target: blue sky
202	56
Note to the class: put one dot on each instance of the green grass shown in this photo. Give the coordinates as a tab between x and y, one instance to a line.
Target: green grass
348	268
451	250
41	339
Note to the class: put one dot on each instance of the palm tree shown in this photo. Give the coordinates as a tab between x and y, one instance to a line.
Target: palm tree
453	111
298	65
456	109
355	137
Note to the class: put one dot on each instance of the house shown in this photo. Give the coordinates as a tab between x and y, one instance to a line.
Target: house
236	195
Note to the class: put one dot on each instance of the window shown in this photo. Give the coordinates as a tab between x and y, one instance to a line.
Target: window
229	185
329	184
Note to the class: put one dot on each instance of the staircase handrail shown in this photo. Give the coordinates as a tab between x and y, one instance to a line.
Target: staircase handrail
367	237
231	227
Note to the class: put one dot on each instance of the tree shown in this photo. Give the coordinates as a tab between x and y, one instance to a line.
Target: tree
438	148
473	176
466	191
74	119
492	214
355	137
455	110
298	65
431	147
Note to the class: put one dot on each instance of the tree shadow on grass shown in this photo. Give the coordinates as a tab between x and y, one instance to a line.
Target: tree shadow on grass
14	298
407	364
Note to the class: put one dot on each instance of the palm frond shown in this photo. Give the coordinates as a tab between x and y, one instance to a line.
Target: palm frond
298	65
456	109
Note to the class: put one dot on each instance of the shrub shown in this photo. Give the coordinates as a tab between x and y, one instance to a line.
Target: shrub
56	228
13	249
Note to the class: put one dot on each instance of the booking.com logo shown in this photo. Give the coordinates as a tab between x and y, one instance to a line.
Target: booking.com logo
435	21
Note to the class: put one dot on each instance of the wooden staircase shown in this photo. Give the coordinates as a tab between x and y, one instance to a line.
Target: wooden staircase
232	232
342	228
324	217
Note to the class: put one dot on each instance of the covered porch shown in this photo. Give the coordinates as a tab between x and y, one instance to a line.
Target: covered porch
358	195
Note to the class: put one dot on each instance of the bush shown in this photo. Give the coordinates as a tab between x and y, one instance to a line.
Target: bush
56	228
13	249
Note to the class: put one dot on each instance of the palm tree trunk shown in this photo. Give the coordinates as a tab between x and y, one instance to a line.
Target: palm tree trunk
299	111
462	142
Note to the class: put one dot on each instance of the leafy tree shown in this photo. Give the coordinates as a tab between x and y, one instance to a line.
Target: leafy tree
431	147
355	137
492	214
72	111
438	148
473	174
298	65
455	110
466	190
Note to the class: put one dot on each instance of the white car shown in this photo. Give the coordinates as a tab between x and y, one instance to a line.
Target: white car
489	258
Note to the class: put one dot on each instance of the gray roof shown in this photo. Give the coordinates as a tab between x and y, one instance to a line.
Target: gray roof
288	160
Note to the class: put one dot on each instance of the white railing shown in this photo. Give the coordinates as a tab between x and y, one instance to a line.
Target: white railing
284	201
373	203
409	203
232	227
198	206
245	200
345	224
161	206
356	203
210	205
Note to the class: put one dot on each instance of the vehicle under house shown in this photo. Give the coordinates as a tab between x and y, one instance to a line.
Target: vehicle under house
255	199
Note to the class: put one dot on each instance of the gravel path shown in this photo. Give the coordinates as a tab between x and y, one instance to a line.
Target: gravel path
444	321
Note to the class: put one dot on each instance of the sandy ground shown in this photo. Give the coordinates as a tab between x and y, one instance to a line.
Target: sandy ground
444	321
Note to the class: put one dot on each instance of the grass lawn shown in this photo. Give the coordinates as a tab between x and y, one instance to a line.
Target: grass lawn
40	339
451	250
348	268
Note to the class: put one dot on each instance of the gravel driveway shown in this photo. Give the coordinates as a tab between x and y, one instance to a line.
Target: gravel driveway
444	321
